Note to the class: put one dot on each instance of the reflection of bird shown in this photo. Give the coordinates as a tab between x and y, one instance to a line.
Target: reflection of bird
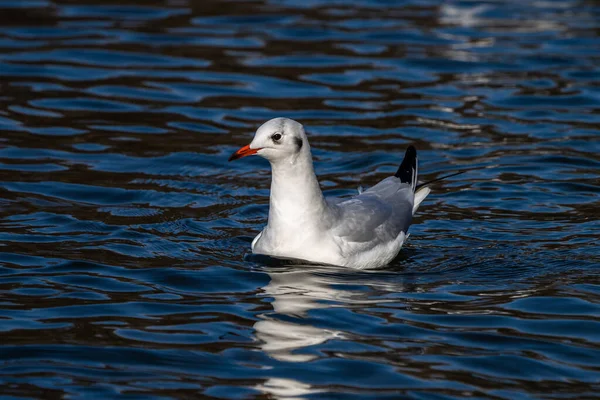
365	231
289	334
285	339
294	293
289	389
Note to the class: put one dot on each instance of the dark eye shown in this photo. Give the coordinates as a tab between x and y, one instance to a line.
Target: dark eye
276	137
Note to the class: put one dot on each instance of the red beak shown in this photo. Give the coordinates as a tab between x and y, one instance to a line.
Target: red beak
243	152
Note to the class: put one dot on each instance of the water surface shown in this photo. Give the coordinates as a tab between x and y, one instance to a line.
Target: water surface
124	229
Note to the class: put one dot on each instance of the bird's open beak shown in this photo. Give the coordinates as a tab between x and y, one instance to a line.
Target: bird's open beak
243	152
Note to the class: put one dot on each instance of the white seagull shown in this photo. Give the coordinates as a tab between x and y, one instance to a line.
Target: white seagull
364	231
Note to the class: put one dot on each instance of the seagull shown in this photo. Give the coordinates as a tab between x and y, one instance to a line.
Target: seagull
365	231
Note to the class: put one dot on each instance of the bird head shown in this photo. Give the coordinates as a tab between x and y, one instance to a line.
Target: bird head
276	140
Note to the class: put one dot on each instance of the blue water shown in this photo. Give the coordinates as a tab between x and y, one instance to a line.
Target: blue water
124	230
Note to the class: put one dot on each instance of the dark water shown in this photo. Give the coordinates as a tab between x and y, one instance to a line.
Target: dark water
124	229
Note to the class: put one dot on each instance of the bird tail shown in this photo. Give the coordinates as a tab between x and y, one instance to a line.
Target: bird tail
419	197
408	172
423	190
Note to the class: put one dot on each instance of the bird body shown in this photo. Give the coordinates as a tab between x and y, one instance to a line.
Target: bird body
364	231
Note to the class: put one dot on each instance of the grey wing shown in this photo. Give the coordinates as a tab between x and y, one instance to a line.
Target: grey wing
360	217
378	214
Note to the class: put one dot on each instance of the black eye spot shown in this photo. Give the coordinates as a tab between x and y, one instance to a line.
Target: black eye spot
276	137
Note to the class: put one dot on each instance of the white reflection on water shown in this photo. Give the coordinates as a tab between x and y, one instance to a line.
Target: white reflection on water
284	332
294	294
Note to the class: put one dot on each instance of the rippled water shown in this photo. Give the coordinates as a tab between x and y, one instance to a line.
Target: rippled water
124	228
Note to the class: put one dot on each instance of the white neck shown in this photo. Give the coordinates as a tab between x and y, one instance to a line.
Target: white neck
296	198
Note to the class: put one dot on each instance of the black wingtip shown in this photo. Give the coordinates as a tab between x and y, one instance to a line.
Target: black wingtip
407	172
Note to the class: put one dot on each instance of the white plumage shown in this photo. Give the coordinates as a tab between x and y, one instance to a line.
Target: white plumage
364	231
